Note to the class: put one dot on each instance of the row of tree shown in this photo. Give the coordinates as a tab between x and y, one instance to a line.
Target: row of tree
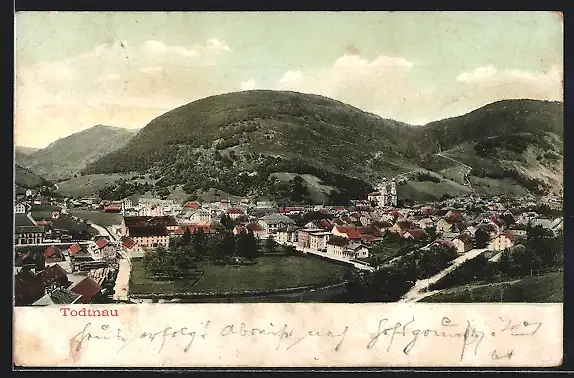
541	252
390	282
185	252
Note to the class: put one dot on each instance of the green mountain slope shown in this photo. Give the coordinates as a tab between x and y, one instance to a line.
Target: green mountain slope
254	143
26	179
68	156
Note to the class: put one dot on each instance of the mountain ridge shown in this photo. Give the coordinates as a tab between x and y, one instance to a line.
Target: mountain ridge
220	141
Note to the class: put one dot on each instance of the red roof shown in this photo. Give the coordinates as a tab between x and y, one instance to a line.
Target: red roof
52	251
373	194
75	249
417	233
112	208
192	228
43	223
509	235
445	243
128	243
193	205
351	232
254	227
370	238
88	288
235	210
53	273
496	220
101	243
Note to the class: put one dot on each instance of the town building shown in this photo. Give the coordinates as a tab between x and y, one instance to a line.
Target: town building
503	241
29	235
273	222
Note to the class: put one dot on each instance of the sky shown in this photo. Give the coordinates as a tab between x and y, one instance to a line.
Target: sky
74	70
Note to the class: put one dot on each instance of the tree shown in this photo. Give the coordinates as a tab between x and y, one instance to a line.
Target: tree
186	238
270	245
241	245
227	222
221	245
199	242
252	245
481	238
299	191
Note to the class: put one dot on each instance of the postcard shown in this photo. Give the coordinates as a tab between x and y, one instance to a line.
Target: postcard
288	189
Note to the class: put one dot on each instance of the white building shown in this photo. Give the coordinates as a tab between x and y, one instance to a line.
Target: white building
273	222
20	208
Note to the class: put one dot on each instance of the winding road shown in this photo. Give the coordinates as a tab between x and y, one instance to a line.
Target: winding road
465	175
418	291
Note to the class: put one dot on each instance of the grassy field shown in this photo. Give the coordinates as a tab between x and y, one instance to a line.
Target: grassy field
87	185
547	287
98	217
270	272
63	222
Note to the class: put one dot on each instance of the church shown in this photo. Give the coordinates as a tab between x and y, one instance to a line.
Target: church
384	197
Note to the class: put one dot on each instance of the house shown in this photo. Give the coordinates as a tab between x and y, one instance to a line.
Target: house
503	241
489	228
112	208
235	212
53	254
370	234
200	216
346	248
415	233
400	227
336	245
318	240
74	248
356	251
81	256
29	235
470	230
192	205
256	229
463	243
323	224
273	222
55	275
205	228
447	225
497	222
88	288
55	214
58	296
349	232
303	238
28	287
287	235
131	247
105	248
20	208
224	204
150	236
424	222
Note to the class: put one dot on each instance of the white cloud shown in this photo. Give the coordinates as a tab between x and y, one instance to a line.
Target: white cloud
211	46
248	85
108	83
514	83
217	45
380	85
